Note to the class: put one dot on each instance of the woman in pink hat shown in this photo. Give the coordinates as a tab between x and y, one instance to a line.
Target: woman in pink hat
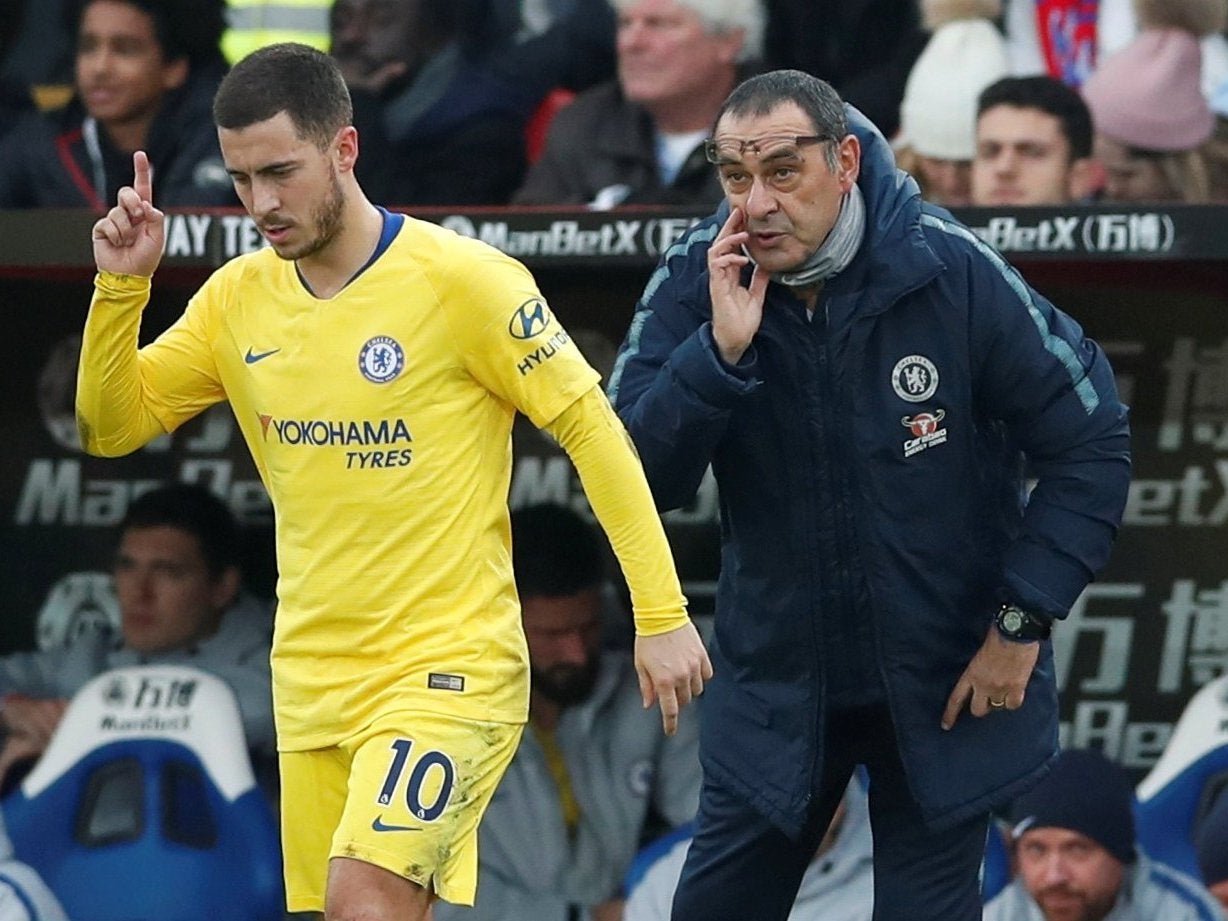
1152	120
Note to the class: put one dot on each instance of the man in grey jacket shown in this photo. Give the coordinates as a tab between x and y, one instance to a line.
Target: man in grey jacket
593	772
1075	850
177	578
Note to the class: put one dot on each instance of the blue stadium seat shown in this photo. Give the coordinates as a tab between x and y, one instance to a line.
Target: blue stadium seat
145	808
1177	793
653	851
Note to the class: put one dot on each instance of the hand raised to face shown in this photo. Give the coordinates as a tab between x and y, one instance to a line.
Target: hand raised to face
737	310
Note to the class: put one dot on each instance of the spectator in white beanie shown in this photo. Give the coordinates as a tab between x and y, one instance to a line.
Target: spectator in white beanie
965	53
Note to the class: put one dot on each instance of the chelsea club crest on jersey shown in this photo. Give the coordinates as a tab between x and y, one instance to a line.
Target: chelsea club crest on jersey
381	359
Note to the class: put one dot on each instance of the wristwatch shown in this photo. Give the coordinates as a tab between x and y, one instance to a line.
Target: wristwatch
1014	623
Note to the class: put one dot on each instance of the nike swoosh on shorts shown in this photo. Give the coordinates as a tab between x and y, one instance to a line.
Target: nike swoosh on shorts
377	824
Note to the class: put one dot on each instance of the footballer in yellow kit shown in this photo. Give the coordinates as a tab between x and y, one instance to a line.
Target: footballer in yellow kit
380	422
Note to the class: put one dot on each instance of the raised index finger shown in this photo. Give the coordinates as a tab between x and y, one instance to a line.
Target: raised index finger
141	182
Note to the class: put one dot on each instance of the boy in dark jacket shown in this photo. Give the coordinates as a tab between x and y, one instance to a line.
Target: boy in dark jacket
145	72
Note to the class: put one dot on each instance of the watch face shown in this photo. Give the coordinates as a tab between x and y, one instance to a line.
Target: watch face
1012	620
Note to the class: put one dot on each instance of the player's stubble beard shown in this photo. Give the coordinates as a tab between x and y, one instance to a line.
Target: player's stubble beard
326	220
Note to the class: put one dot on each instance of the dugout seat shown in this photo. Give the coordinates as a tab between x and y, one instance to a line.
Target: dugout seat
1177	793
145	807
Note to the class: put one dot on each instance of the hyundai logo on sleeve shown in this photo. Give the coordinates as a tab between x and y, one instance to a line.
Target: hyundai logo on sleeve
530	319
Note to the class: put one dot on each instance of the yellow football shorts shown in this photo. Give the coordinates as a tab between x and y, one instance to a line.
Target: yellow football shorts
406	794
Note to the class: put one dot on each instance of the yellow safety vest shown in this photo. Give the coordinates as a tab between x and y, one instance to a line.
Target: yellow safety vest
253	24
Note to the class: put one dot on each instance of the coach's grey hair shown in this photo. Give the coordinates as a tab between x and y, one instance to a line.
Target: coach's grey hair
722	16
760	94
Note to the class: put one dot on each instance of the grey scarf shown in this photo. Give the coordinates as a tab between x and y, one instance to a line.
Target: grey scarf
837	251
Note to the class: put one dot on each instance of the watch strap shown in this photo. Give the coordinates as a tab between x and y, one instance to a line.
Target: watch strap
1020	626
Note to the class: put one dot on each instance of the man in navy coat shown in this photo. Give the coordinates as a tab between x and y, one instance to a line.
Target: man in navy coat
867	380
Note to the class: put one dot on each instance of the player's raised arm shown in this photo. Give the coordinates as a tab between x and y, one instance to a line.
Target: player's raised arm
128	241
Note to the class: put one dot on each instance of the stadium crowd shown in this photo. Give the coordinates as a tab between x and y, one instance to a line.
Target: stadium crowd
596	103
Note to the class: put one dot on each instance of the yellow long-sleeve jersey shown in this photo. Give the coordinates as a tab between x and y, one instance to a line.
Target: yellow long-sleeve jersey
380	422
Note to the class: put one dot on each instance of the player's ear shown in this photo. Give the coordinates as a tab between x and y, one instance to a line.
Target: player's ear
346	146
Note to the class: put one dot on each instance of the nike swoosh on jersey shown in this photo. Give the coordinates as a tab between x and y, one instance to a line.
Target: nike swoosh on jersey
252	357
377	824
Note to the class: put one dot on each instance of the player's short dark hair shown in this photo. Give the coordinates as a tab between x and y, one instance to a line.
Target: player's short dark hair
555	552
189	29
192	508
1049	95
286	77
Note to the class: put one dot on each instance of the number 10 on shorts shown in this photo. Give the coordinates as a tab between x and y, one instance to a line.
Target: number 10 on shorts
432	777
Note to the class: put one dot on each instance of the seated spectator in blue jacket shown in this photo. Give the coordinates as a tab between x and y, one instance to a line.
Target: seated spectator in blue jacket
438	126
144	76
1076	858
177	580
639	139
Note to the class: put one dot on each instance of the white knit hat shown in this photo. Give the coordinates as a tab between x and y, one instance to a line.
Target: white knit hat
938	114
